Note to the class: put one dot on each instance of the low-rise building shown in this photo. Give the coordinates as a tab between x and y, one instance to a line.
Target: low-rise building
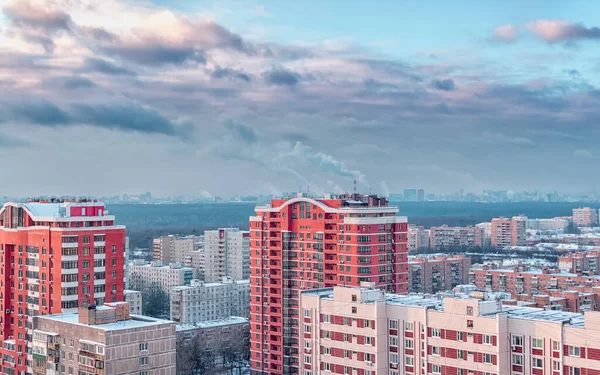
144	275
365	331
436	273
554	225
202	301
134	298
102	340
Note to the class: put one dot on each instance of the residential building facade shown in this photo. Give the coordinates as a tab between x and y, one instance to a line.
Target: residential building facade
446	237
55	255
202	301
585	217
555	225
417	238
364	331
173	248
304	243
144	275
134	298
432	274
103	340
226	254
509	232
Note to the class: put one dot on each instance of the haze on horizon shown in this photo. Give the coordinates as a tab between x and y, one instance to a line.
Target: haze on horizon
238	97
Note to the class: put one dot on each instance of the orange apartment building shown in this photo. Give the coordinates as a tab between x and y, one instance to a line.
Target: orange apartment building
586	263
585	217
437	273
304	243
54	257
446	237
509	232
364	331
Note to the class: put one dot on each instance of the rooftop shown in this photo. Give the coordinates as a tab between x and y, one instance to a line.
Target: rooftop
136	321
213	323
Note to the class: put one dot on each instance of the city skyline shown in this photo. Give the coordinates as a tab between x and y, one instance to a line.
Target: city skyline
209	98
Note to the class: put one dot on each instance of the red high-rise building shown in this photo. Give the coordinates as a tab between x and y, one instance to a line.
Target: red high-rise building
304	243
54	256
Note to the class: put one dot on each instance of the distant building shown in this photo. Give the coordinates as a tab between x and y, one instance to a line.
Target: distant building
417	238
509	232
216	333
144	275
134	298
556	224
455	237
410	195
102	340
432	274
585	217
173	248
226	254
420	195
202	301
487	232
587	263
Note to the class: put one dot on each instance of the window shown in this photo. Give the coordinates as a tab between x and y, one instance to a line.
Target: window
435	350
346	337
460	336
307	359
393	358
436	332
86	239
354	298
517	359
537	362
393	341
487	358
556	346
143	346
346	354
367	323
346	321
307	313
574	371
326	350
326	319
410	361
461	354
326	334
537	343
368	357
368	340
393	324
409	326
143	361
555	365
327	366
408	344
436	369
307	328
574	351
469	310
487	339
517	340
143	372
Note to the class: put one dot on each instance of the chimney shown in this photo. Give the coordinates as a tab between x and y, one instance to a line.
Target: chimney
87	314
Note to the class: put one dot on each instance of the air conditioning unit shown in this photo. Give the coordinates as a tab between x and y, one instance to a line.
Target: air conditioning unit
369	363
8	311
514	347
20	315
393	365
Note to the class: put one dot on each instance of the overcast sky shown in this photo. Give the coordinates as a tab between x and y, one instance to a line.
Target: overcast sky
102	97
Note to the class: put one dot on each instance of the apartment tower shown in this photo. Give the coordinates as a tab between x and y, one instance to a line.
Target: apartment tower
304	243
55	256
509	232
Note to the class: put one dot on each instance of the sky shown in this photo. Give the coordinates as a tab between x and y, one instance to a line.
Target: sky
216	98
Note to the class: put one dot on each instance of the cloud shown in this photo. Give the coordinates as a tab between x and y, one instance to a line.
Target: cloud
75	82
242	131
94	64
555	31
41	112
27	13
443	84
281	77
219	72
11	142
156	53
583	154
385	190
506	33
499	138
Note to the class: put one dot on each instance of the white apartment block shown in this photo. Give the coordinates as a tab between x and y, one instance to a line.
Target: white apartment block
555	225
173	248
134	298
365	331
226	254
585	217
144	275
209	301
102	340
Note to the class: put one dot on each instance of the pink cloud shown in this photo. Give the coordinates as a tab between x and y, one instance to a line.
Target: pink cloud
506	33
554	31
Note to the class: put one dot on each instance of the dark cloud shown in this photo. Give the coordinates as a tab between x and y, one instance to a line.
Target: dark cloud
555	31
157	53
98	65
72	83
11	142
41	112
443	84
45	41
97	33
26	13
281	77
125	116
219	72
242	131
